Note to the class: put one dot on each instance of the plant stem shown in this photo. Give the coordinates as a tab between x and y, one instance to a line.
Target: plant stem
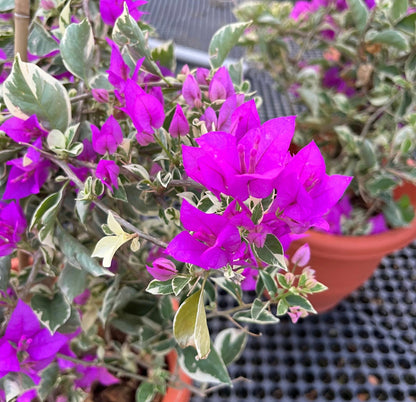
72	176
21	23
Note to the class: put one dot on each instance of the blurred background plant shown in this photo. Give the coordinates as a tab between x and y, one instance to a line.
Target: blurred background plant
348	70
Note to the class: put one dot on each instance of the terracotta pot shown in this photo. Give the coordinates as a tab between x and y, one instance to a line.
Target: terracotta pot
343	263
173	394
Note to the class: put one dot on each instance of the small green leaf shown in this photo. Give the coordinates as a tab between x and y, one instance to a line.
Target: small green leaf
165	55
52	312
230	343
210	370
282	307
407	23
5	266
65	17
72	281
29	90
78	254
359	13
48	380
265	317
77	49
156	287
179	283
146	392
190	325
230	287
109	300
399	8
40	42
282	281
257	308
368	153
311	100
319	287
126	31
224	40
391	37
272	252
296	300
6	5
16	384
269	282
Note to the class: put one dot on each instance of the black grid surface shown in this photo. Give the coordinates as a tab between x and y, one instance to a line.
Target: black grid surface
365	348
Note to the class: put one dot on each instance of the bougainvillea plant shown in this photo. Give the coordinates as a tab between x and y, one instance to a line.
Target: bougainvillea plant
348	68
131	188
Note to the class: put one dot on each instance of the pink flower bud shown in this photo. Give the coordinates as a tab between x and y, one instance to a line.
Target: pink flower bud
191	92
179	125
100	95
302	255
162	270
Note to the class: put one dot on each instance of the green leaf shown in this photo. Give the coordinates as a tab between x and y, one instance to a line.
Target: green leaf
210	370
391	38
230	343
16	384
236	72
5	266
65	17
269	282
296	300
319	287
126	31
179	283
40	42
77	49
282	307
29	90
52	312
282	281
78	254
399	8
230	287
109	300
311	100
48	381
190	325
368	153
72	281
165	55
380	184
6	5
407	23
359	13
224	40
257	308
265	317
156	287
145	392
272	252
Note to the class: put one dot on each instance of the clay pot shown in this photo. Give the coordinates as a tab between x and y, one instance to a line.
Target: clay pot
173	394
343	263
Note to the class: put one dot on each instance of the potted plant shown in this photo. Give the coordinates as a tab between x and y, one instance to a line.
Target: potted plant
137	193
348	70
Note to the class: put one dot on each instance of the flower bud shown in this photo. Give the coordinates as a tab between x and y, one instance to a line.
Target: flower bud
179	125
162	270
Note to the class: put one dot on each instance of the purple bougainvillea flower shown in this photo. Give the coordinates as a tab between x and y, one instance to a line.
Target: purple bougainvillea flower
305	193
108	171
245	167
191	92
227	110
244	119
24	334
332	79
87	375
202	75
23	130
213	244
210	119
119	71
221	86
88	154
27	175
100	95
12	226
162	269
179	125
108	138
110	10
378	224
341	210
145	111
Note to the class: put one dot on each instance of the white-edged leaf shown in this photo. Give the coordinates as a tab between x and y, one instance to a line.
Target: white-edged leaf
5	266
156	287
72	281
40	42
114	225
190	325
107	247
359	13
224	40
52	312
230	343
77	49
210	370
29	90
